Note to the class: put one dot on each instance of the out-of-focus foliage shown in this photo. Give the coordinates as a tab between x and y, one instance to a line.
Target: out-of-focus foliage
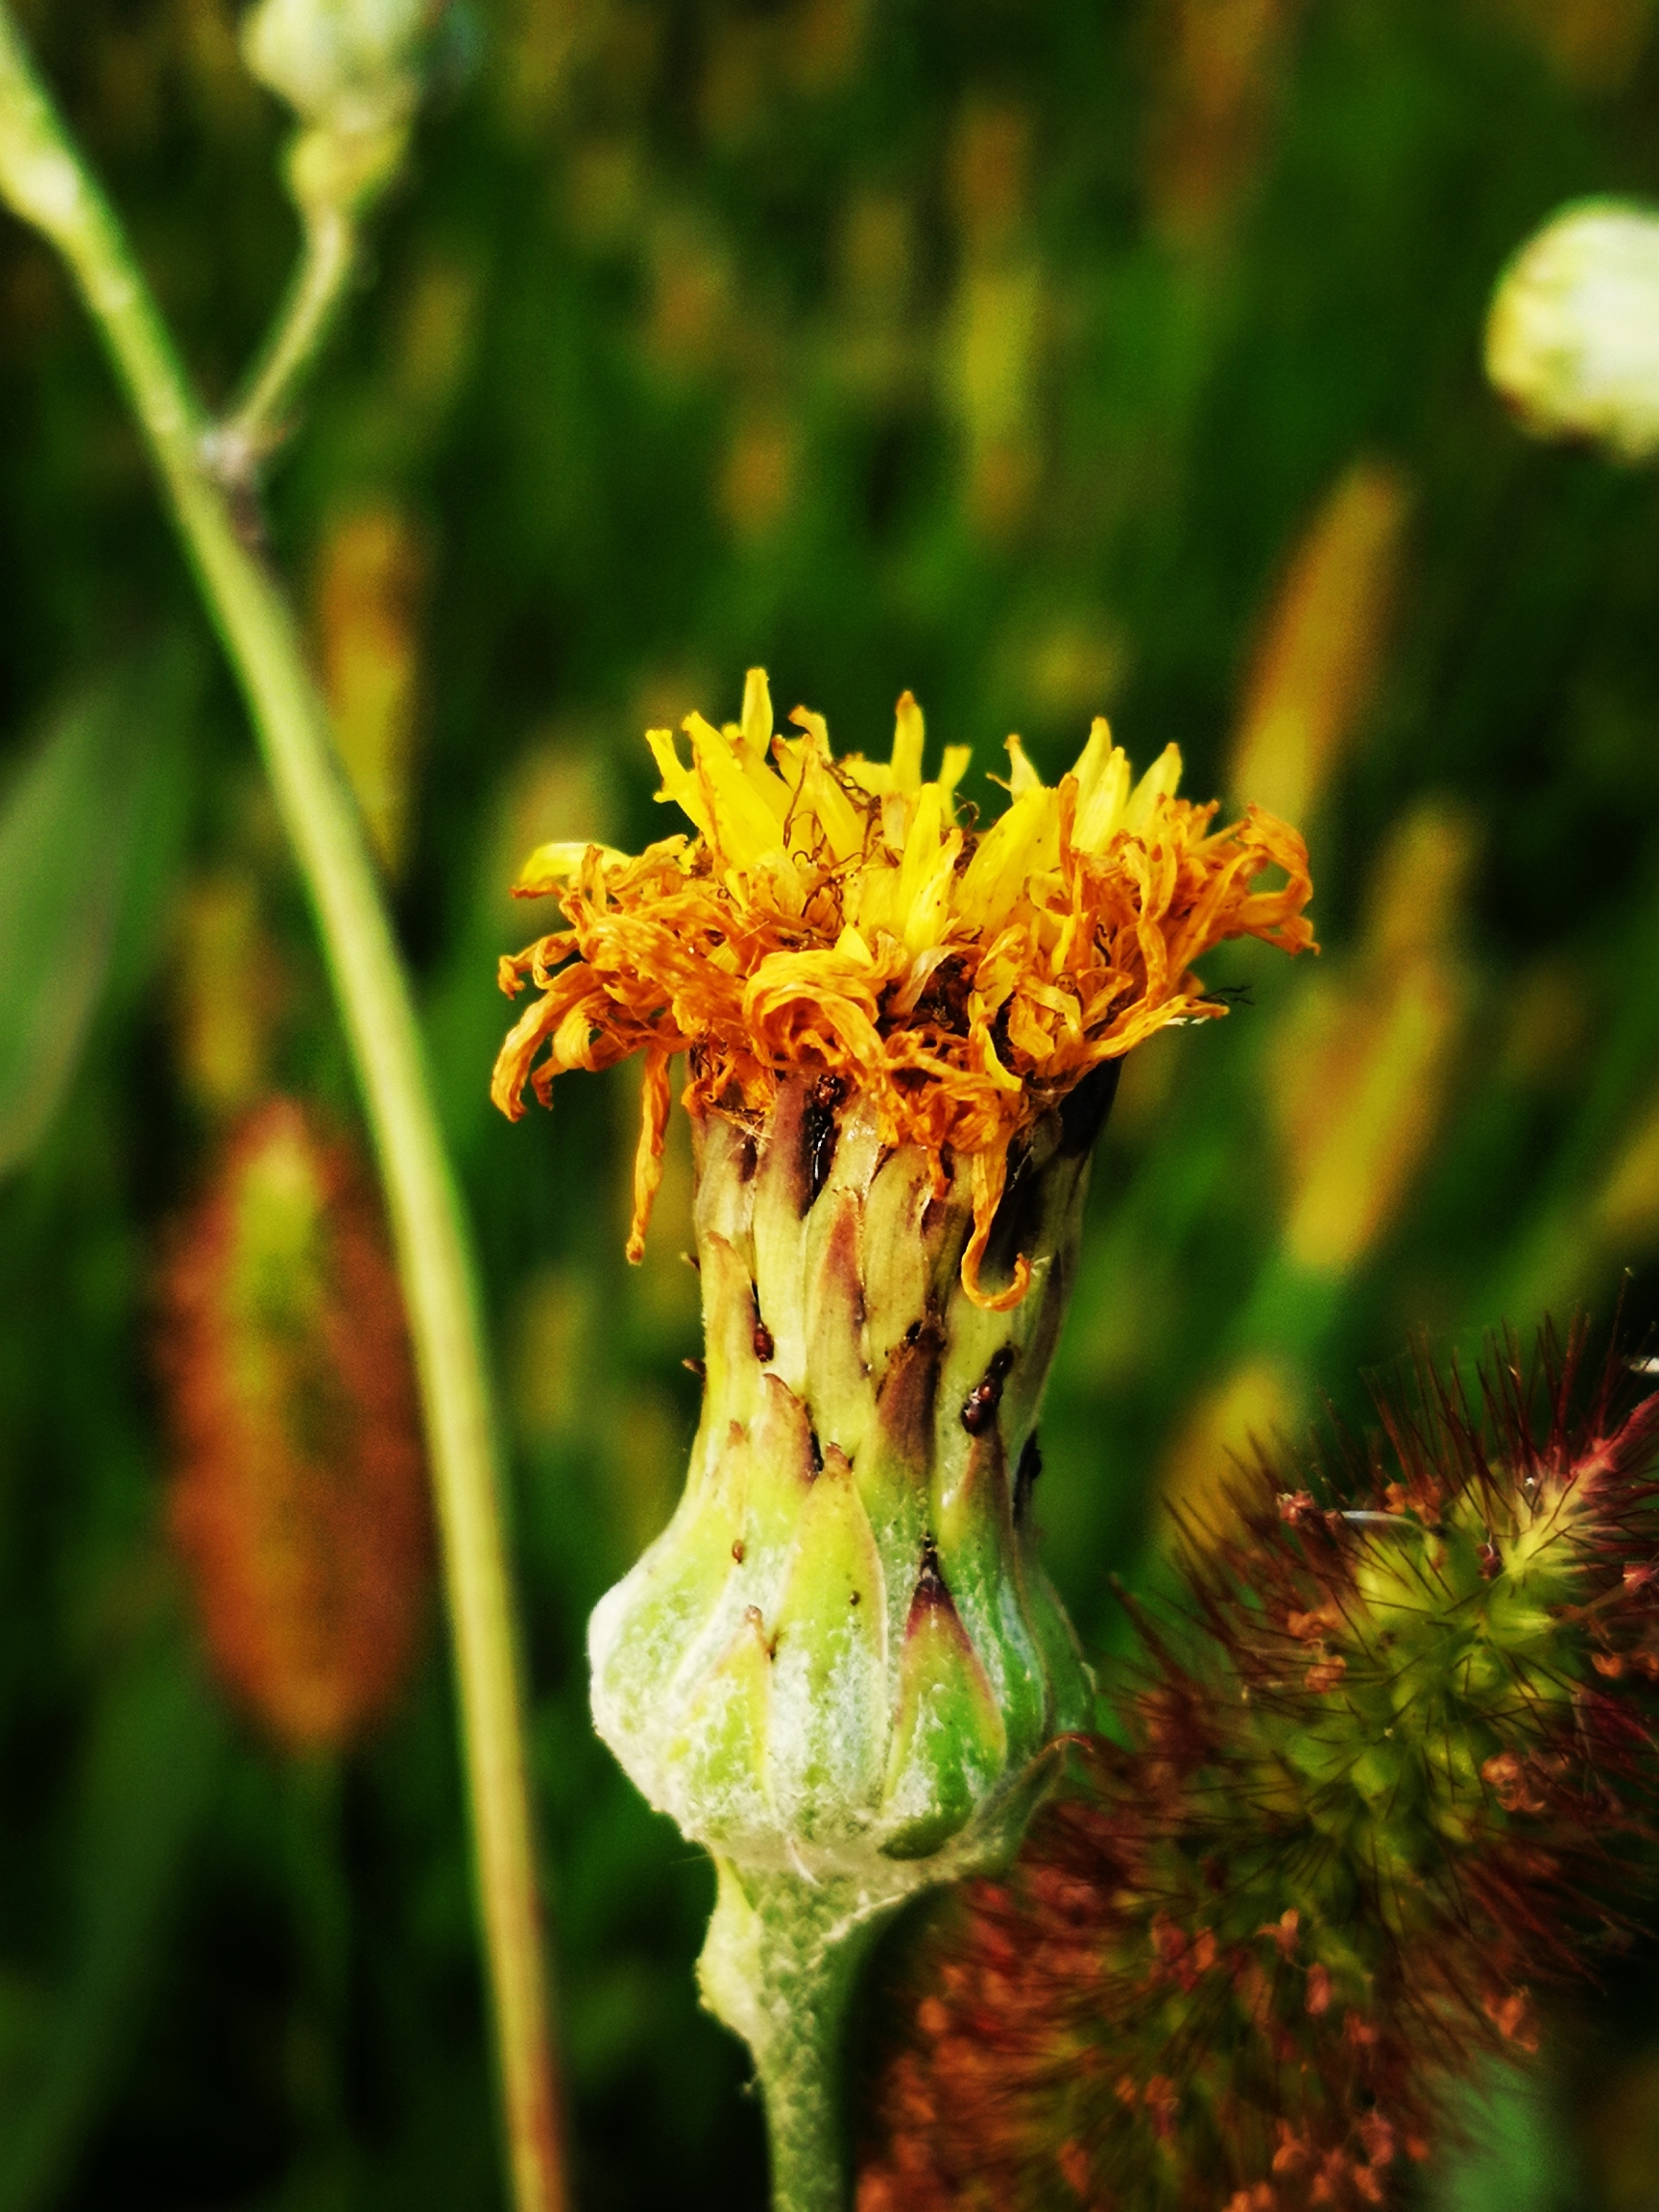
79	832
1044	360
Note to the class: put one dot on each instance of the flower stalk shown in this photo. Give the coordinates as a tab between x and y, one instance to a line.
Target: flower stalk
351	73
43	177
236	445
780	1969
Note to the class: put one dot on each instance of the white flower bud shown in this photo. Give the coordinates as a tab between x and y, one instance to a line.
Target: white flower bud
1573	336
350	64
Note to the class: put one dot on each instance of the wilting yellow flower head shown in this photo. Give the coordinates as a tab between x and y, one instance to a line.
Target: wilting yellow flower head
839	915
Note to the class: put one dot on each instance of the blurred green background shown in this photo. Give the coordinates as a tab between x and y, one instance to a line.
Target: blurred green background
1046	359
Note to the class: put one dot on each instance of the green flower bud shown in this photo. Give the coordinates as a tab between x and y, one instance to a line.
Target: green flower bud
842	1655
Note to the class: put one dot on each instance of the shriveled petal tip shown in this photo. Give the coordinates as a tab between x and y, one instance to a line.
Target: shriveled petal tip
987	1176
511	1070
1279	916
907	740
654	1107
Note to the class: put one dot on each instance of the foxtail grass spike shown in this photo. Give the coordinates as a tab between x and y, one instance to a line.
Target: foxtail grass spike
299	1503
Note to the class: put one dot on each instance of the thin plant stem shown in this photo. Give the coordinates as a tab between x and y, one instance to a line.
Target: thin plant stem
781	1967
328	256
804	2126
45	180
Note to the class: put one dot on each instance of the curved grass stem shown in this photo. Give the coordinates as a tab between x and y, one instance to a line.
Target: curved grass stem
43	177
240	442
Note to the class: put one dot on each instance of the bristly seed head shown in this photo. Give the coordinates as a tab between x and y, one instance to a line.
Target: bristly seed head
1377	1784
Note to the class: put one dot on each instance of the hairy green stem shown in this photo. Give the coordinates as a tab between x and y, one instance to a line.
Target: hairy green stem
780	1968
42	177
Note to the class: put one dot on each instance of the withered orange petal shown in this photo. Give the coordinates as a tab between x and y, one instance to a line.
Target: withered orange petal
654	1104
759	949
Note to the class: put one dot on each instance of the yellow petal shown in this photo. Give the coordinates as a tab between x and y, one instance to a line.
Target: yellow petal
1091	762
927	874
1022	776
1159	783
749	801
988	1172
816	728
654	1103
872	899
872	775
907	734
1026	1034
954	767
680	784
921	843
839	820
1022	843
550	865
756	722
1102	774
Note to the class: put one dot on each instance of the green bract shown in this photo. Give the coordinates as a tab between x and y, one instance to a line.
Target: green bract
842	1658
